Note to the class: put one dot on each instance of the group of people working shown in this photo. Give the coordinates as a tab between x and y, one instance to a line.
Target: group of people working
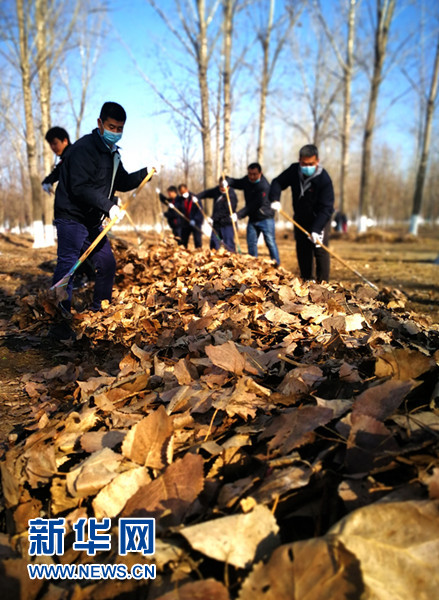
313	203
90	172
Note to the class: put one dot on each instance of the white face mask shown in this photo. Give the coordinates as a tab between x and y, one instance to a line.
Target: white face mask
186	195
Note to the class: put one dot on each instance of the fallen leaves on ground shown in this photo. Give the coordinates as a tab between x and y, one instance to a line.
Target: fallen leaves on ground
265	423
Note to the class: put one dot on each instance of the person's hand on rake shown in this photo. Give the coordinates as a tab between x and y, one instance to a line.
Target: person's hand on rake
316	238
116	213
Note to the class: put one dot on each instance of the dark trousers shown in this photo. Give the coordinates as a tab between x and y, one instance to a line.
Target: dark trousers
225	234
73	239
307	253
185	234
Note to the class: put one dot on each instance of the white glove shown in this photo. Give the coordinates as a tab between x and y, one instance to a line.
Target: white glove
192	223
118	201
275	205
317	238
234	217
195	199
157	190
170	205
48	188
224	184
210	221
116	212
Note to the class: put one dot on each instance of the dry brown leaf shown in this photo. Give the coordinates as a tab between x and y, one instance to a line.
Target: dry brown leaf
402	363
147	443
236	540
173	491
381	401
397	545
93	473
295	427
226	357
317	569
112	498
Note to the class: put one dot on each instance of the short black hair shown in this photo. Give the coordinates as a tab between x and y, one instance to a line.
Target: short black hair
57	132
255	165
308	151
172	188
181	186
113	110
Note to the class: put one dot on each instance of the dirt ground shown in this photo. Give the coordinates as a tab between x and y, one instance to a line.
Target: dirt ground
389	260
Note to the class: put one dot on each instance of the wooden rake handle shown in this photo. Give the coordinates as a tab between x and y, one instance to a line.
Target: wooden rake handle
331	252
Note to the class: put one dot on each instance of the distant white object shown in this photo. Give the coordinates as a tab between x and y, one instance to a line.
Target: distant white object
415	221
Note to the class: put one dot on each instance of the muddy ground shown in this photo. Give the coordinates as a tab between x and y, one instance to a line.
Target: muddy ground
388	259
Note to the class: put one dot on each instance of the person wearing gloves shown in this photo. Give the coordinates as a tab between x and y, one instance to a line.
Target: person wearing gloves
258	209
221	220
192	209
173	218
313	205
91	174
59	142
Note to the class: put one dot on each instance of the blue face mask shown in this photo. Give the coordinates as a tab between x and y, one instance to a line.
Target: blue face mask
257	181
110	137
308	170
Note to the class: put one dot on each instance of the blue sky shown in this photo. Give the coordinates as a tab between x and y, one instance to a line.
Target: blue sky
149	137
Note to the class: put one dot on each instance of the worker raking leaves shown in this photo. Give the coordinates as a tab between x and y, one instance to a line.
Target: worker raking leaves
89	179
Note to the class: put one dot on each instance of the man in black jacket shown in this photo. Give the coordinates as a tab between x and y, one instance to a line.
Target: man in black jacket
313	205
258	209
221	220
91	173
59	142
173	218
192	209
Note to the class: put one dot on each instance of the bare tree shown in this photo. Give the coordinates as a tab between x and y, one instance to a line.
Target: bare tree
426	138
191	30
25	64
384	13
346	63
88	42
272	37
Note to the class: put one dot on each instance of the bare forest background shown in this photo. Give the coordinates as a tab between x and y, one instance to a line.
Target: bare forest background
235	81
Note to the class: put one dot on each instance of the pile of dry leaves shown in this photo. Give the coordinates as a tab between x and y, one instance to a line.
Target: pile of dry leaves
284	436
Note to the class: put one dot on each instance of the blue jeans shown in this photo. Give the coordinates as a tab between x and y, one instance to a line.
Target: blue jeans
226	234
266	227
73	239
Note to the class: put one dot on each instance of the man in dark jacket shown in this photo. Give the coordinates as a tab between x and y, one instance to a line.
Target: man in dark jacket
59	142
91	173
173	218
313	205
221	220
192	209
258	209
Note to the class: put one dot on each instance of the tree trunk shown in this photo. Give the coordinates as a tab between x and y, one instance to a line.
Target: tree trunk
43	71
228	33
31	146
265	41
385	9
204	95
422	168
346	130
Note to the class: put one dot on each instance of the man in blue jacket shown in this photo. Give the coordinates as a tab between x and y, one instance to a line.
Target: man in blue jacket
90	175
221	220
258	209
313	205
